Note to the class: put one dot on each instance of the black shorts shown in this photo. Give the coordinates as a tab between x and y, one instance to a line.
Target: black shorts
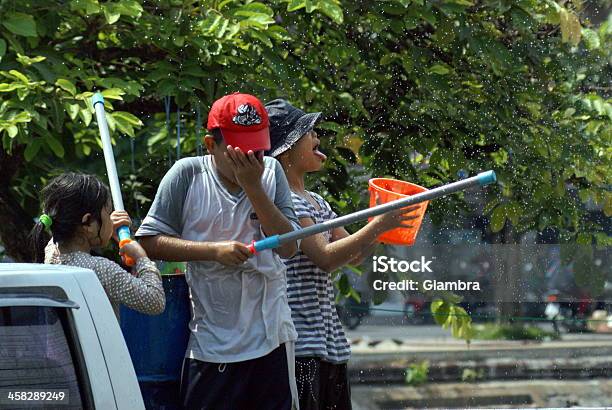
322	385
261	383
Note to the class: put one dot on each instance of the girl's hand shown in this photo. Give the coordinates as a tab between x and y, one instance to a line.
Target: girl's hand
133	250
394	219
119	219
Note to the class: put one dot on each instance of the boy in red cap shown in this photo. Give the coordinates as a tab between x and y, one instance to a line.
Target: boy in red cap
240	353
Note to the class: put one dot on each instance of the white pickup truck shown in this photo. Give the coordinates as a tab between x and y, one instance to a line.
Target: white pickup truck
60	343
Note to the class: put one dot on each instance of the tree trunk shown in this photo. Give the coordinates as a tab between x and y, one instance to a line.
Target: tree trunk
15	223
508	276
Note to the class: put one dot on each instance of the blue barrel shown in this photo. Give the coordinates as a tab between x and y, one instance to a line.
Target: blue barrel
157	345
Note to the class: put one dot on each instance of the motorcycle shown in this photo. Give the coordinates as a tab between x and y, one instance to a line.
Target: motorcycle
569	315
351	312
416	310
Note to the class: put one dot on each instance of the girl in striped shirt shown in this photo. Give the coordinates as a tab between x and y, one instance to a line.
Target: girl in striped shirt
322	349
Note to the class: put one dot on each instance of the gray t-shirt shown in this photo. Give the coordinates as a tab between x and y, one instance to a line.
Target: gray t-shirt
239	313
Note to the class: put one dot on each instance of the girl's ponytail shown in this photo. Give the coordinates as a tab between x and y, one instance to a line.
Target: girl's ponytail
39	237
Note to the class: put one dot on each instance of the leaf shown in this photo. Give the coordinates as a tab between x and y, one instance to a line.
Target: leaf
66	85
12	131
584	238
111	13
513	212
178	41
23	116
86	96
88	6
28	61
22	93
407	63
112	124
55	146
344	285
388	58
130	8
210	24
20	76
429	16
332	10
31	150
113	94
571	29
20	23
167	87
125	128
439	69
440	311
57	115
257	7
294	5
598	106
222	29
72	109
255	19
310	6
355	295
591	39
607	206
124	122
262	37
466	3
498	219
86	116
128	118
490	206
2	48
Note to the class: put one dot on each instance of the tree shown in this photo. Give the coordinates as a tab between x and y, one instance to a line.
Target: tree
423	91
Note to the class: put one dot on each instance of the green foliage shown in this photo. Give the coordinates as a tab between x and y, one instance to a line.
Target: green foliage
471	375
410	89
343	285
450	316
512	332
417	373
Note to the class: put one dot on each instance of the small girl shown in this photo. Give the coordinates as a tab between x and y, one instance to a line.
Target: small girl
77	213
322	349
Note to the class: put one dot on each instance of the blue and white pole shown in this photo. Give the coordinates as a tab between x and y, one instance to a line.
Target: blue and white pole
123	232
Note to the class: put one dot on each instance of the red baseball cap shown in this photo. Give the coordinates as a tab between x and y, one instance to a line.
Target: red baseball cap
243	121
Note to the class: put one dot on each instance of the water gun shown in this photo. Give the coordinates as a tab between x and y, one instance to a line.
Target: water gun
271	242
123	232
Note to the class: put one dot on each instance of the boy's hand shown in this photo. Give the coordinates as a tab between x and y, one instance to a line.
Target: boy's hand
248	168
231	253
119	219
394	219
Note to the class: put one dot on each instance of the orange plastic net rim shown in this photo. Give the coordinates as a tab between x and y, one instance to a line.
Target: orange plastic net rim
372	184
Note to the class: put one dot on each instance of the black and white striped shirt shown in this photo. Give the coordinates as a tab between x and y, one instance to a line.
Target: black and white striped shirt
311	295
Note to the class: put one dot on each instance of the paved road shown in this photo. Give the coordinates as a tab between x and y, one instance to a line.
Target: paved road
381	332
529	388
377	329
497	394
